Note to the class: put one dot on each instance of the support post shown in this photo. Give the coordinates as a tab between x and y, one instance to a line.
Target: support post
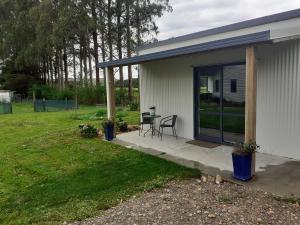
110	92
250	107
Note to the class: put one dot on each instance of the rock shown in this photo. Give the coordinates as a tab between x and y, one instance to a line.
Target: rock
219	179
198	181
211	216
204	179
259	220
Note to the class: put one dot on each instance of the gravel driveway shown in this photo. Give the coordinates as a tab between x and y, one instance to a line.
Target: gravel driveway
196	202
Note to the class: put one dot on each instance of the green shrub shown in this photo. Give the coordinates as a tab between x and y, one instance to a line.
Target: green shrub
121	114
88	131
122	126
133	106
101	113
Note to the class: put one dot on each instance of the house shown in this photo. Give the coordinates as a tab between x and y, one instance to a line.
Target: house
6	96
239	82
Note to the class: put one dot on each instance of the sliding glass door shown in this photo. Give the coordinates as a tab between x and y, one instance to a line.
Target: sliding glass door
220	103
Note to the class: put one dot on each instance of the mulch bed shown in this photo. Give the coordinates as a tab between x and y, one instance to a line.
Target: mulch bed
196	202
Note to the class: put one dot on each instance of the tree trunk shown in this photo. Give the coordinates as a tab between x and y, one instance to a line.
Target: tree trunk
128	45
103	52
90	69
109	29
74	67
85	67
81	67
56	69
138	35
61	71
51	71
119	47
95	42
65	59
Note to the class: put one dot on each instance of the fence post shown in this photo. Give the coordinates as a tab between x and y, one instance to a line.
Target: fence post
76	102
66	103
44	104
34	102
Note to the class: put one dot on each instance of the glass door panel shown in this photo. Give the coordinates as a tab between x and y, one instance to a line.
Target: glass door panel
209	103
234	103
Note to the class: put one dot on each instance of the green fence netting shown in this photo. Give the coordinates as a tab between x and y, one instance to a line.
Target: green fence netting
53	105
5	108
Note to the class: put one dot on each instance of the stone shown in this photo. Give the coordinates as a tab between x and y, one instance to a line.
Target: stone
219	179
211	216
259	220
204	179
198	181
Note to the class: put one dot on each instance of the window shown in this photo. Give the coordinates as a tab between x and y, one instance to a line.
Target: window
217	86
233	86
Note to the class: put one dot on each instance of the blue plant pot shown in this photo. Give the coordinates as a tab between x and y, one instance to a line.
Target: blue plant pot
242	166
109	132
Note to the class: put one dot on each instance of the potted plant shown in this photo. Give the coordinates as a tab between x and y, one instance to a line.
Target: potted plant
108	127
243	159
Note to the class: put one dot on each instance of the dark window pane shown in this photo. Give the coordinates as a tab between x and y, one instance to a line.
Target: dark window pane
233	86
217	86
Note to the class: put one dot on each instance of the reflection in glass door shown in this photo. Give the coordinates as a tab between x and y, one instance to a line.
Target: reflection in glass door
233	111
209	110
220	103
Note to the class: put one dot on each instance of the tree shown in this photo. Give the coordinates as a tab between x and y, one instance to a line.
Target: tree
44	39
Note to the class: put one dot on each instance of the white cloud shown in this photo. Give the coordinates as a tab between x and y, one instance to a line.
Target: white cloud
195	15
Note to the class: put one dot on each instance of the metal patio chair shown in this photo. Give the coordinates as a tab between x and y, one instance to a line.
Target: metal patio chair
169	121
145	121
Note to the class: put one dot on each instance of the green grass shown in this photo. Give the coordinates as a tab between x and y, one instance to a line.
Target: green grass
49	174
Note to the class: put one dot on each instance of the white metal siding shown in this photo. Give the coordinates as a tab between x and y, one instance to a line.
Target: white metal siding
168	85
278	99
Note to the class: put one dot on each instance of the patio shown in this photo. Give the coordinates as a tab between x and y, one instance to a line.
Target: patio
278	175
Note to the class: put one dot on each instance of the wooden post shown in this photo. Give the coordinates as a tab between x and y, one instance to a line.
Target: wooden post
110	92
250	108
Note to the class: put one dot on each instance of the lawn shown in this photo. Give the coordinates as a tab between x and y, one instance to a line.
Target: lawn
49	174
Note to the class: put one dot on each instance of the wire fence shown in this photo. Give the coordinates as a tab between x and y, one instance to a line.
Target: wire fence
5	108
43	105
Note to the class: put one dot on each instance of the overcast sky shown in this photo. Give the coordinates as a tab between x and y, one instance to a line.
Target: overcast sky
195	15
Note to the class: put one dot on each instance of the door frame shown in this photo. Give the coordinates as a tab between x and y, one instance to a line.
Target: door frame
196	86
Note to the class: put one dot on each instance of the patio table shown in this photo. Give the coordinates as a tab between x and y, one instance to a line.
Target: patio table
152	128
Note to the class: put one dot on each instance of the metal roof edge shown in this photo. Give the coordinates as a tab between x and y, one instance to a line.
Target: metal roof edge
253	38
231	27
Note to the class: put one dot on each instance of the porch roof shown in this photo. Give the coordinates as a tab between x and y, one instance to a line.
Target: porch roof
259	37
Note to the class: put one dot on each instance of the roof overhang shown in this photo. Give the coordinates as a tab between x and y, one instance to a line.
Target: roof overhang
254	38
227	28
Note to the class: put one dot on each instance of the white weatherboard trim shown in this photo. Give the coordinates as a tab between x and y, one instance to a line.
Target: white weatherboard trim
273	27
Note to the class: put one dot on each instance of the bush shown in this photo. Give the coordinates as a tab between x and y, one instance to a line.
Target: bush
91	95
101	113
51	93
133	106
88	131
122	126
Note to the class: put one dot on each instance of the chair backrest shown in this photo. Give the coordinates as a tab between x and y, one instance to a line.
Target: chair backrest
145	114
174	118
146	120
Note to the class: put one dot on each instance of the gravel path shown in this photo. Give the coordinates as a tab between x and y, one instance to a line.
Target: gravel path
196	202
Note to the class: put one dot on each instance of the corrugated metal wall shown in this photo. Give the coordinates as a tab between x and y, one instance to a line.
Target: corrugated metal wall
278	99
168	85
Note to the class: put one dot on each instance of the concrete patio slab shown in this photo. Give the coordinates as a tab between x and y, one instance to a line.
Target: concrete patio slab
274	174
